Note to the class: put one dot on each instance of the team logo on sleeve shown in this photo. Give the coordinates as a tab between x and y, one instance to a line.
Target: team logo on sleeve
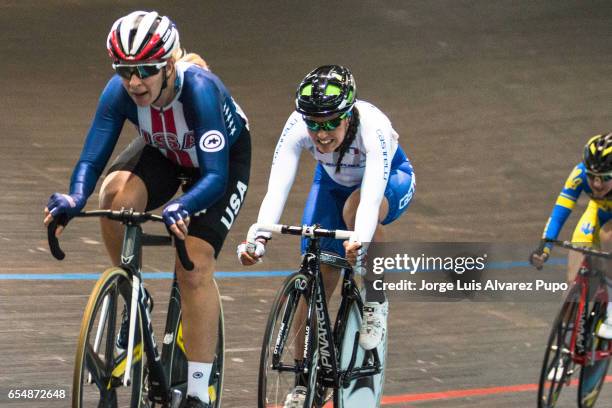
575	179
212	141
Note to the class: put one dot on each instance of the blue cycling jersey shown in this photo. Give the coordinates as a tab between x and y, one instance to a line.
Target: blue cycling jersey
575	184
195	130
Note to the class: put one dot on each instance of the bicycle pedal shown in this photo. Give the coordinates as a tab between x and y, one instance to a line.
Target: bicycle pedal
116	382
176	399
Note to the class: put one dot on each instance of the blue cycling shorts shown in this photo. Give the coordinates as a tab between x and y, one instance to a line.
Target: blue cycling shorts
326	200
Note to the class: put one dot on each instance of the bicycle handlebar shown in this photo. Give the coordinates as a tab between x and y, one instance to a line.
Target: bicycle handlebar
311	231
125	217
581	249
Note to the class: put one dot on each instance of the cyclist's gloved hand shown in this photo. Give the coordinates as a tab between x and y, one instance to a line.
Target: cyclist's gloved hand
63	207
250	254
176	218
539	256
355	253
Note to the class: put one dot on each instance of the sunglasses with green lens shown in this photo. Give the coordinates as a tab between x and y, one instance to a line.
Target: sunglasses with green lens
603	176
328	125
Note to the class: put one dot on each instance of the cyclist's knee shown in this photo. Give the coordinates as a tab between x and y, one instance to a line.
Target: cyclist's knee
123	189
605	237
349	211
200	277
202	255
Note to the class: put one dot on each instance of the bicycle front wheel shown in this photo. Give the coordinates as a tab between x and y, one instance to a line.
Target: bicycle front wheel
558	365
281	365
593	375
99	363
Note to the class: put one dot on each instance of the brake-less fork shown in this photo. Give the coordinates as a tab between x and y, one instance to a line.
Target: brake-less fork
130	346
101	325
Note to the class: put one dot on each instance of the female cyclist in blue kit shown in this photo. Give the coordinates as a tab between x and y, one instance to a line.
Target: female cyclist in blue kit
191	132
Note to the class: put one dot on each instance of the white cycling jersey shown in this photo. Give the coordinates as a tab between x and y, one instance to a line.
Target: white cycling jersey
366	162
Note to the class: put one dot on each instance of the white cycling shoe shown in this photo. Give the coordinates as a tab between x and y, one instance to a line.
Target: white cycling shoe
373	325
605	328
296	398
556	373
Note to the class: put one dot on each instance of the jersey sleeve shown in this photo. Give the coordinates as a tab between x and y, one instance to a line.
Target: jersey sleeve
284	168
204	102
565	202
377	140
101	138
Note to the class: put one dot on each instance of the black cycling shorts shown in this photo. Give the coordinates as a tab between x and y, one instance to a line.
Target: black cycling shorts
162	179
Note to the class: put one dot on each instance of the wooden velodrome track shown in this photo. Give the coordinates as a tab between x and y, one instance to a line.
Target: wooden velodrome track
493	101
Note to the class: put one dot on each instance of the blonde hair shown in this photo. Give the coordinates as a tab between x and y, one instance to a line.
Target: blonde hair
181	55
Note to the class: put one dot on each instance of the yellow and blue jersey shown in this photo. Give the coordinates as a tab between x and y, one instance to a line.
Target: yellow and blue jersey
598	212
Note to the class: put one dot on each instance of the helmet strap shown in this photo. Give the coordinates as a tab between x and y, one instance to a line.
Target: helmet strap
164	85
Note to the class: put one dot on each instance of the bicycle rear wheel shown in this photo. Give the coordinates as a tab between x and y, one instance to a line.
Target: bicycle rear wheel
99	363
558	365
592	376
174	358
282	348
366	391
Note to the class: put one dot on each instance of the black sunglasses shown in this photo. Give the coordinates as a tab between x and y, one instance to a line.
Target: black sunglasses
603	176
142	71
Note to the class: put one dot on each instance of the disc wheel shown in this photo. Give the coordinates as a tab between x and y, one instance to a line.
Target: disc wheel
366	391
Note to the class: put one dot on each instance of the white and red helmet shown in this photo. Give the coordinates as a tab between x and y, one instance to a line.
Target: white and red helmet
142	37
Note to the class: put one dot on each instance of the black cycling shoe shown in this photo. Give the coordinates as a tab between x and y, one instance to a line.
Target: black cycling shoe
195	402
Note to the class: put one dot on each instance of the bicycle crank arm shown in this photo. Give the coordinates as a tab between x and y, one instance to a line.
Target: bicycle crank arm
176	398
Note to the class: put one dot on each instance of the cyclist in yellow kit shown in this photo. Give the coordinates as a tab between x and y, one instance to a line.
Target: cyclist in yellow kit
592	176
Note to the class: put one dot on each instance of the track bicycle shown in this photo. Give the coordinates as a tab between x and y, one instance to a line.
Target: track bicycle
101	377
573	343
328	362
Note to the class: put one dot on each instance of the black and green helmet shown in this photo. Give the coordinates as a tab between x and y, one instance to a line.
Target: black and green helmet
325	91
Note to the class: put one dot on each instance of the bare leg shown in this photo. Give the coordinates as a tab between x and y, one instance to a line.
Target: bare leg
574	260
605	241
199	302
120	189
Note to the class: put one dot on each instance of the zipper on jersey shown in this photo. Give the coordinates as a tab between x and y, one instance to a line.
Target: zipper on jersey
163	120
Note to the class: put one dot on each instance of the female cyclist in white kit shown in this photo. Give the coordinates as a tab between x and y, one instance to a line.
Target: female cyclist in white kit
363	181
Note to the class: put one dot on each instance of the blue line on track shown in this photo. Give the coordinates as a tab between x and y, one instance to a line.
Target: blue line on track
147	275
227	275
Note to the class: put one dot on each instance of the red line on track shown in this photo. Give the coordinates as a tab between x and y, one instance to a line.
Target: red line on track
442	395
474	392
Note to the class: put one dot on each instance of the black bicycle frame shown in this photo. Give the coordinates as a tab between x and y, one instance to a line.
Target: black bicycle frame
131	254
328	339
131	261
